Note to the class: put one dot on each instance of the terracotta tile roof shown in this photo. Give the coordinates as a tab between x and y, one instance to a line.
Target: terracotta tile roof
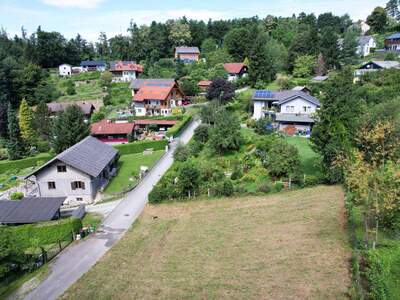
157	122
234	68
152	93
116	66
107	127
204	83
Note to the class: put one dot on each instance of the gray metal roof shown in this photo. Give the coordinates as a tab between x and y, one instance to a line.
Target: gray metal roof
285	96
295	118
184	49
384	64
88	63
90	156
138	83
363	40
29	210
394	36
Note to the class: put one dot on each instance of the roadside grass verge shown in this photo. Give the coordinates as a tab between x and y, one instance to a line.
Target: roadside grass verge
292	245
128	170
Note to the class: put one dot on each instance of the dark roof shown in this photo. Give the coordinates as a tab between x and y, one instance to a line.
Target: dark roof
363	40
138	83
283	96
90	156
55	107
29	210
295	118
384	64
97	63
394	36
188	50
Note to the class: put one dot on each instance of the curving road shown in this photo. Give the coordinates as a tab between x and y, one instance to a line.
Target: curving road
77	259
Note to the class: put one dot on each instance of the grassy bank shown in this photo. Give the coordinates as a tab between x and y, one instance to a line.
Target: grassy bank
288	246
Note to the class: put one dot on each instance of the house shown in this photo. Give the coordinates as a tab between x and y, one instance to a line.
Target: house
30	210
86	107
125	70
78	173
292	111
93	65
187	54
392	42
365	44
373	66
112	132
320	78
157	125
235	70
64	70
204	85
303	89
156	96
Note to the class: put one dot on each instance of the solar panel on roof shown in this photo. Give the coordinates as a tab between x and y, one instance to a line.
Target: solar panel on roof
263	94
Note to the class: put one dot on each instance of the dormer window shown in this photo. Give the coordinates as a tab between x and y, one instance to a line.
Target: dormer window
61	168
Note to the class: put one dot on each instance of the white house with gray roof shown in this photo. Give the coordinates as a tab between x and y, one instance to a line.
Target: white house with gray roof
365	44
78	173
293	111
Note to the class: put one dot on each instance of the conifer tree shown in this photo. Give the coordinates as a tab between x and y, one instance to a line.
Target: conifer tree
26	122
15	145
42	120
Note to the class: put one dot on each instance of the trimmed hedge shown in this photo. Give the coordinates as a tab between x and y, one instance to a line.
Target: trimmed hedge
24	163
179	126
45	233
140	146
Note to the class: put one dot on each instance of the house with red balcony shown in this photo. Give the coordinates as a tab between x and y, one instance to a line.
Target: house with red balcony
392	42
235	70
155	97
112	132
124	71
187	54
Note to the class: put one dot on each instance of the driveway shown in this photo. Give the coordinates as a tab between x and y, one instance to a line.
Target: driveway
77	259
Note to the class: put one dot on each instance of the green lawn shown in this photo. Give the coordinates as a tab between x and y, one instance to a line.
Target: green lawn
84	91
129	167
291	245
307	155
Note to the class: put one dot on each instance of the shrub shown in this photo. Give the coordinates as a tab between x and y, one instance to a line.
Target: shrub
201	133
311	180
158	194
181	153
179	126
278	186
264	187
70	87
137	147
224	188
46	233
24	163
16	196
42	146
195	148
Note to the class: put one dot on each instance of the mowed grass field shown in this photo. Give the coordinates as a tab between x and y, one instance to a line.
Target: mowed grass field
308	157
292	245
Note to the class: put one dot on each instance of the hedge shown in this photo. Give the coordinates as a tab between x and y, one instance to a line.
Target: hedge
179	126
140	146
24	163
45	233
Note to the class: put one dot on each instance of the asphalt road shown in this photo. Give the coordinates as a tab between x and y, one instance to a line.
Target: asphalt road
77	259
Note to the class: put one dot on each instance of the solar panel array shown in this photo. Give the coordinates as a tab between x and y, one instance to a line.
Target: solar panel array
158	84
263	94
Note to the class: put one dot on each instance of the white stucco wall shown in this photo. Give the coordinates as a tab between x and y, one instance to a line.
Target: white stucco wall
63	183
64	70
139	109
258	106
296	106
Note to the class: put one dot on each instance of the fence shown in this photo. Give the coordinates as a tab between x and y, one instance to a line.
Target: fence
33	261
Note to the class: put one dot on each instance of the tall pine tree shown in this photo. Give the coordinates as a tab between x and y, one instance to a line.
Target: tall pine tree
42	120
69	128
16	147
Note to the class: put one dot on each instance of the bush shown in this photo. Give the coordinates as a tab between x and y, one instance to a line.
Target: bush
140	146
278	186
311	180
224	188
181	153
179	126
42	146
195	148
46	233
24	163
16	196
264	187
201	133
70	87
158	194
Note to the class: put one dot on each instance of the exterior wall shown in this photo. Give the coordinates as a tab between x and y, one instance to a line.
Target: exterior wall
232	77
139	109
65	70
258	109
63	184
288	128
366	49
298	106
124	76
392	44
188	56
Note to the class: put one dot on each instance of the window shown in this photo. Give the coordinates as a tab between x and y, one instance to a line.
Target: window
61	169
305	108
77	185
79	199
51	185
289	108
